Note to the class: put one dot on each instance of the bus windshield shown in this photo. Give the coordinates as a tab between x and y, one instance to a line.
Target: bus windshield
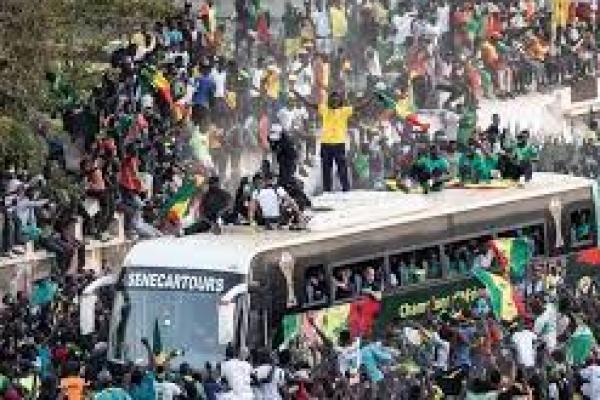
174	310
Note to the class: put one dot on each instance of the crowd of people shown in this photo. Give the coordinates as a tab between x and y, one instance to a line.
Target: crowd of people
202	121
249	99
462	351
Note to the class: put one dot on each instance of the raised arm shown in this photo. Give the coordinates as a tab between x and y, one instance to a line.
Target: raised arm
149	353
364	102
307	103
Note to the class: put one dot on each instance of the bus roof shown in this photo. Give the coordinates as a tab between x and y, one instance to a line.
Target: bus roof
347	213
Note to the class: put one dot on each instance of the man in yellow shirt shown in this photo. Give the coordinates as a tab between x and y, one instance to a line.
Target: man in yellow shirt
334	132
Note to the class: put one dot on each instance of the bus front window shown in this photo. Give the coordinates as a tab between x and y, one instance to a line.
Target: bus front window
185	321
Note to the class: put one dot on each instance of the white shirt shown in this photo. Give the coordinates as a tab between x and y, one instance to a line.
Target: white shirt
257	75
166	390
219	78
304	81
591	375
237	373
321	21
546	326
285	117
300	115
441	353
443	18
269	390
268	200
402	24
523	342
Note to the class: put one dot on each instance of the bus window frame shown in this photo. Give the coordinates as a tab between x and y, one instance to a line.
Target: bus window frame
391	289
568	212
355	260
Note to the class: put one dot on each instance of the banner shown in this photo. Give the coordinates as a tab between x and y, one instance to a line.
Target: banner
416	302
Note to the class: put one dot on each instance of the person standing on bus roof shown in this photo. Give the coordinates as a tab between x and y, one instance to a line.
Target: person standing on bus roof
334	134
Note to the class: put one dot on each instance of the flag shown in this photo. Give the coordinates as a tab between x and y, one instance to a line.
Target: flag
404	108
291	327
513	256
178	206
500	292
162	85
43	292
358	317
579	346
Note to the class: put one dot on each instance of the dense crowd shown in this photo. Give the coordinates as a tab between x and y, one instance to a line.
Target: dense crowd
197	97
464	351
201	121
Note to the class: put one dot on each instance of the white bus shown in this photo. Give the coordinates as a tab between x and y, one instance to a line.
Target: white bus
201	292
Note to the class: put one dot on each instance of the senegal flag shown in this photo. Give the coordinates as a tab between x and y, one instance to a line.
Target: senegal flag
178	206
513	256
162	85
403	108
357	317
501	294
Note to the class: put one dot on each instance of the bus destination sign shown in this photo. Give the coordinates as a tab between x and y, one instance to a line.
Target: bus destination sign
179	280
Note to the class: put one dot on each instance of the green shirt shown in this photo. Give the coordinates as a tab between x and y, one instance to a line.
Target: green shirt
526	153
483	167
466	126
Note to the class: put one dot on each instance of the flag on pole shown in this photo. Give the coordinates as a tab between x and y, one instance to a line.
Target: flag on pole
162	85
513	256
178	206
500	292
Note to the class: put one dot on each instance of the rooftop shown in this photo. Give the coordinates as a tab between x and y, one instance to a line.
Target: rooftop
346	213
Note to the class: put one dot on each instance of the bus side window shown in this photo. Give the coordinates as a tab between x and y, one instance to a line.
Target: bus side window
343	283
581	227
365	277
316	289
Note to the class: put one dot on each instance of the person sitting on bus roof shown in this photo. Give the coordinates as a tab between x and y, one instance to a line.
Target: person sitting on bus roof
243	195
522	157
431	170
215	204
269	198
476	165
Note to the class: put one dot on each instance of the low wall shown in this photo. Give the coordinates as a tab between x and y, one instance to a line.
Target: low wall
19	273
543	114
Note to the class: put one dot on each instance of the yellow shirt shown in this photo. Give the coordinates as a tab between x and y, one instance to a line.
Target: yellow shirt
335	124
272	85
339	24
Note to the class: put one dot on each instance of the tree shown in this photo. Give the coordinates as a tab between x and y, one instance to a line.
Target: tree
49	35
